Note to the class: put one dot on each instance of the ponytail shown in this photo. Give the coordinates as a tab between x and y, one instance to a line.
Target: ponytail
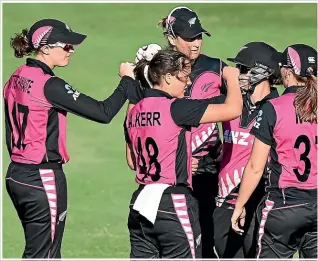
141	74
162	23
151	73
306	99
20	44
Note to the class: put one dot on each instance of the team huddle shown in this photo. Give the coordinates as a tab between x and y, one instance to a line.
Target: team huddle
249	191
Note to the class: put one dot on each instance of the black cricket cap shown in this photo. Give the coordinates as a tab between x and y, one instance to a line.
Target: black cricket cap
258	52
51	31
299	57
185	23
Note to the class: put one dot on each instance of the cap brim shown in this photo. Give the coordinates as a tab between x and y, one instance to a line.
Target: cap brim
73	38
206	32
188	34
235	60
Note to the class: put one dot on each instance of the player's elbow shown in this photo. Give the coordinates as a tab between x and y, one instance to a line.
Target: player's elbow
238	108
130	157
256	169
131	166
106	119
235	111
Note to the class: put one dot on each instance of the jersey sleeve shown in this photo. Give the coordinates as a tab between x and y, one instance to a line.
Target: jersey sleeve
223	88
127	139
63	96
263	128
188	112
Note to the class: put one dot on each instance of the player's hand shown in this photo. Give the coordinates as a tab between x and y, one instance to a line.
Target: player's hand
230	73
147	52
127	69
238	220
195	165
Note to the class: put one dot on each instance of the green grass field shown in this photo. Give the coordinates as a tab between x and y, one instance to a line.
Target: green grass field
99	182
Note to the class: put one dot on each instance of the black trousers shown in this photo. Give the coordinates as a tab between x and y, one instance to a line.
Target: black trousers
229	244
287	225
205	190
40	199
176	232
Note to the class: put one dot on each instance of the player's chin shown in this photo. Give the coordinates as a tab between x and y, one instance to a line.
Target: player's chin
64	62
181	95
194	55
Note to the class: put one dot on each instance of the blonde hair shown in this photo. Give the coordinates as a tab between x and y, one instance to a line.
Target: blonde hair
305	101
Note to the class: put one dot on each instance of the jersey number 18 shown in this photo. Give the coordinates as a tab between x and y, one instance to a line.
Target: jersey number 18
153	159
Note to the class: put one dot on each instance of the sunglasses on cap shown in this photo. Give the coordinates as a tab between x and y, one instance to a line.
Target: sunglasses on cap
242	68
64	46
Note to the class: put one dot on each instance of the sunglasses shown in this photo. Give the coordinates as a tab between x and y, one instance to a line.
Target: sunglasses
286	66
242	68
64	46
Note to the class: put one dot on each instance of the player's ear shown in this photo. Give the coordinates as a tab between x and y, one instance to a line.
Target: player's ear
45	50
167	78
172	40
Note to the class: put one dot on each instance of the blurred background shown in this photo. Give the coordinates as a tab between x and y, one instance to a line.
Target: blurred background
100	183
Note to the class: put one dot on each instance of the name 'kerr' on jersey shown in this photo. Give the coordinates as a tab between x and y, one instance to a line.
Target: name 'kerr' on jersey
162	149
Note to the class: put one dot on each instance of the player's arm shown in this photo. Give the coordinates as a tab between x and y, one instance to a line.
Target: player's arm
186	112
130	156
63	96
223	88
207	162
263	132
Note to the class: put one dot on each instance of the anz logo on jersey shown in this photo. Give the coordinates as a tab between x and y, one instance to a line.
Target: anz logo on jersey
237	137
72	91
258	119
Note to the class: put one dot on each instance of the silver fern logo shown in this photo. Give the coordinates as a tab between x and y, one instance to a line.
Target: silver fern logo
192	21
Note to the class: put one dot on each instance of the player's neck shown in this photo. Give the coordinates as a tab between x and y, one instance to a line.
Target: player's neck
261	90
45	60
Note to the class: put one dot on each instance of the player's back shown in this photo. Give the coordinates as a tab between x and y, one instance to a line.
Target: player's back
32	131
161	147
294	152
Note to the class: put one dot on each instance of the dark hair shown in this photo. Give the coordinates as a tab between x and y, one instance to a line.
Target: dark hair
163	22
20	44
305	101
165	61
139	74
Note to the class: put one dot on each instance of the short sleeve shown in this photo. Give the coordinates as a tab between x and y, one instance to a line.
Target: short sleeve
187	112
263	128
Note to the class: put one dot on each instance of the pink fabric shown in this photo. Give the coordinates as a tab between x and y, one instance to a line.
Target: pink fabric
292	158
39	34
237	147
164	136
48	180
180	206
206	85
268	207
295	60
27	106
